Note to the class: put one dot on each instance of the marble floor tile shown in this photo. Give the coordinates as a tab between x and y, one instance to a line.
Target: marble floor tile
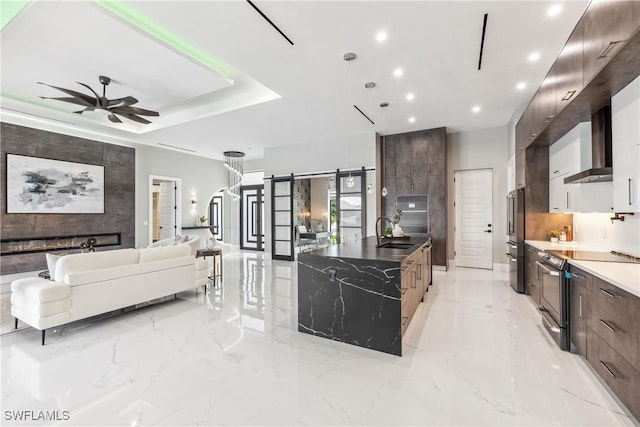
475	354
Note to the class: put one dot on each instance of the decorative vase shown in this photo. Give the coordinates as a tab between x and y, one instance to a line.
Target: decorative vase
397	231
554	240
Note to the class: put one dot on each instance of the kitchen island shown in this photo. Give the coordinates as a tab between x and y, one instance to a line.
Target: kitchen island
362	294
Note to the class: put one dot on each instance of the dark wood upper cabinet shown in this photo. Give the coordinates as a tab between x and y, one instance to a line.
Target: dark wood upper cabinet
546	107
568	68
607	26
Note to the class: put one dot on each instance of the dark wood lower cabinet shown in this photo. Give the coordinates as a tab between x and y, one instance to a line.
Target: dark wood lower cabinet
605	329
622	377
532	274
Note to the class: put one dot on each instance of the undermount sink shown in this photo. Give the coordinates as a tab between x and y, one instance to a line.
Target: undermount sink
393	245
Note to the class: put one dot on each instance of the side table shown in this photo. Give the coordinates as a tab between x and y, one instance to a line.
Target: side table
216	254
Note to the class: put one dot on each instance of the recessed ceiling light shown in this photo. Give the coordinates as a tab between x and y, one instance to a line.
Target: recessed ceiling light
554	10
521	85
476	109
534	56
398	72
412	119
381	36
410	96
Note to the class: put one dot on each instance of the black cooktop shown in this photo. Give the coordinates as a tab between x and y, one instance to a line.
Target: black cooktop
595	256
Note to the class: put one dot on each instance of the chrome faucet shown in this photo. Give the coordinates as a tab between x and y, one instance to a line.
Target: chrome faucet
381	231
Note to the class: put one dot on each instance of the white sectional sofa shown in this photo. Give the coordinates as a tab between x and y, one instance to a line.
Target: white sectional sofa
85	285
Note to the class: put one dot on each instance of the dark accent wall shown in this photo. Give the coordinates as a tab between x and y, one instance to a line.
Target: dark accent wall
416	163
119	203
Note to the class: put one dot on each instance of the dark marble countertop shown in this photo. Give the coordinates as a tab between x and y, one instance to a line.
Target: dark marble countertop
366	249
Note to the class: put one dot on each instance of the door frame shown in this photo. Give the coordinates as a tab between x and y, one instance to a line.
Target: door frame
260	223
455	214
178	207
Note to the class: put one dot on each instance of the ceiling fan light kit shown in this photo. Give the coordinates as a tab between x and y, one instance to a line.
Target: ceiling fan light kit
115	107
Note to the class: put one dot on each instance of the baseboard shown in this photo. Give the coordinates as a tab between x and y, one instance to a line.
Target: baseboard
503	268
497	267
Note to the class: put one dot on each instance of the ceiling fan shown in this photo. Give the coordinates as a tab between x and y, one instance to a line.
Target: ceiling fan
117	107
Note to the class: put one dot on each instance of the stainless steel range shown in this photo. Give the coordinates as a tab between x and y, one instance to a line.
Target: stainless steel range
555	283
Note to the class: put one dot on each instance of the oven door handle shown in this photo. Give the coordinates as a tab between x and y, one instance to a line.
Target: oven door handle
547	271
542	311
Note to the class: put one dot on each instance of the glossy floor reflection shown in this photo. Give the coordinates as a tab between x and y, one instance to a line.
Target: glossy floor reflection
474	355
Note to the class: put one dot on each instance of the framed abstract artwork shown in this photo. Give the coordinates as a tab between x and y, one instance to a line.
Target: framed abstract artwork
37	185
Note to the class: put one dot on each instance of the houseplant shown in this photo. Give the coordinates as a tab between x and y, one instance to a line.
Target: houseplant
553	235
203	220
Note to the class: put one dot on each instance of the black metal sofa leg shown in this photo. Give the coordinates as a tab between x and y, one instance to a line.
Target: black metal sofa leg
43	336
15	324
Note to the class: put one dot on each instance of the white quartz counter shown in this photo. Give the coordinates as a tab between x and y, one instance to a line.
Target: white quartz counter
626	276
545	245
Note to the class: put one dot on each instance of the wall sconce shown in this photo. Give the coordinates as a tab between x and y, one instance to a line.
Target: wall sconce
193	202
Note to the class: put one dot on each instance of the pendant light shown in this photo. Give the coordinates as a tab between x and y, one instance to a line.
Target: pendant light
234	164
383	105
349	56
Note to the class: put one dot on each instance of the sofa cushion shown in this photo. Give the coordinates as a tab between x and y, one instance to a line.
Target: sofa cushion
42	309
39	290
167	264
77	263
102	274
162	253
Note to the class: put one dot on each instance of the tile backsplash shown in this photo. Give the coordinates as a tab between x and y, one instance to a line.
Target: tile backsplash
596	231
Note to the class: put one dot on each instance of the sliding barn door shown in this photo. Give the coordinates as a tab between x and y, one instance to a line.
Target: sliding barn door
282	218
351	205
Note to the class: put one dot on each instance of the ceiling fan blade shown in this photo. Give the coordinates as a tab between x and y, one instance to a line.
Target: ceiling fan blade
86	109
76	101
89	87
88	99
134	118
114	118
134	110
122	102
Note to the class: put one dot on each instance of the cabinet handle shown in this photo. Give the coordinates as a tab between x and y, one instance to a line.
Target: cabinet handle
629	191
404	320
605	52
413	282
567	200
533	135
548	119
604	365
557	171
580	305
419	271
576	275
404	290
569	95
609	294
608	326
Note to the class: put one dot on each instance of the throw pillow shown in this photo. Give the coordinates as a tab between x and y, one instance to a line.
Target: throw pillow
52	259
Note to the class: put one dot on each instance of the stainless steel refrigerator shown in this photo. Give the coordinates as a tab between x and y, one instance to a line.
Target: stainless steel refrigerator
515	243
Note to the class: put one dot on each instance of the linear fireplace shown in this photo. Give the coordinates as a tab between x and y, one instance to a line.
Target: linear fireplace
48	244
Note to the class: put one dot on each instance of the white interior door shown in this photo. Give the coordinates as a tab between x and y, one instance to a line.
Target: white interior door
167	210
473	218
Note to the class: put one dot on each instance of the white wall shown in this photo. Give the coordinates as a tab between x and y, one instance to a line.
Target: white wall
201	179
352	152
481	149
597	232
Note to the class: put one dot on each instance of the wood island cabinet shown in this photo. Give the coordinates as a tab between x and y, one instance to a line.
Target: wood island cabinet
415	281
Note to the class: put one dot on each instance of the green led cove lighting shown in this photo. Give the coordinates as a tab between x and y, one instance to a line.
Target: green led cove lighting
9	10
144	23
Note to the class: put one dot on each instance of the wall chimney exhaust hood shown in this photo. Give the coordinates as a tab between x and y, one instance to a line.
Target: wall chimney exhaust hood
601	164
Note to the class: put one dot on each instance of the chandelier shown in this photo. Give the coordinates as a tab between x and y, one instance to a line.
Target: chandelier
233	163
